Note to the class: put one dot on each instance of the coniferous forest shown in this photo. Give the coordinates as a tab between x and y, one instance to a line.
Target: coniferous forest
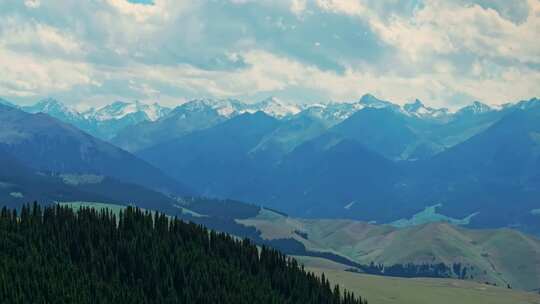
55	255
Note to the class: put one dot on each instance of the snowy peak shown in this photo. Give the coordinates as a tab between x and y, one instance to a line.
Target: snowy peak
273	107
475	108
415	107
53	108
371	101
48	105
418	109
232	107
120	109
224	107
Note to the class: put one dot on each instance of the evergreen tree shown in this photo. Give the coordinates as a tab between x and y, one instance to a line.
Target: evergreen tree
54	255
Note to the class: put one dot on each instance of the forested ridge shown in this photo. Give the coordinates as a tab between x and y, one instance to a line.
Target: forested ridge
54	255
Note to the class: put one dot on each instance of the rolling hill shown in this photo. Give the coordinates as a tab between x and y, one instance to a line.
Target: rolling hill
500	256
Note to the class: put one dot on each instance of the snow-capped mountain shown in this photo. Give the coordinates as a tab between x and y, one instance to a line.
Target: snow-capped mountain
55	109
475	108
271	106
332	113
119	109
224	107
418	109
104	122
335	112
232	107
371	101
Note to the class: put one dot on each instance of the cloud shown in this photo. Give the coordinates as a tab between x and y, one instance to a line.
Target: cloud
447	53
444	27
28	76
32	37
32	3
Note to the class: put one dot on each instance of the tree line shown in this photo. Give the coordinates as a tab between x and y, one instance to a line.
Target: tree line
55	255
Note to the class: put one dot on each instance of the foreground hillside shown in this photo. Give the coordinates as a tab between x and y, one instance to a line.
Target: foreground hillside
499	256
96	257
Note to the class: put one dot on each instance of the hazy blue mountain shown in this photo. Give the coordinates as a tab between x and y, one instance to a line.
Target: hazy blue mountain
217	161
289	134
7	103
44	143
418	109
496	172
303	166
379	129
20	185
322	176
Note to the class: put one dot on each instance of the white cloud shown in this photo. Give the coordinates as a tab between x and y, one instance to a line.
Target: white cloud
32	3
443	52
349	7
32	36
23	75
444	27
298	6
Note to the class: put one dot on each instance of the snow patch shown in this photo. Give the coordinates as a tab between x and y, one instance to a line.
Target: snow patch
349	205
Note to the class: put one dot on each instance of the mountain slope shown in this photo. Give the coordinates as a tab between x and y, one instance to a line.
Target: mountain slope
381	130
20	184
44	143
323	175
216	161
184	119
495	173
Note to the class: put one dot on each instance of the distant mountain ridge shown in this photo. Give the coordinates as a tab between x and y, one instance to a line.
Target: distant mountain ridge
111	122
382	163
44	143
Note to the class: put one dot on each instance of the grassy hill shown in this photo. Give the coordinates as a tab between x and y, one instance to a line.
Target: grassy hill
499	256
391	290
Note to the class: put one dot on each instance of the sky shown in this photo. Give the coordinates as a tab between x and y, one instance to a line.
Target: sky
443	52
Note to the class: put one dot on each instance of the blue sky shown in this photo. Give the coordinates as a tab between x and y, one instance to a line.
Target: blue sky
444	52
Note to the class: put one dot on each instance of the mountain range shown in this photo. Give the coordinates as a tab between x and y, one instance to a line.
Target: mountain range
382	162
368	160
377	187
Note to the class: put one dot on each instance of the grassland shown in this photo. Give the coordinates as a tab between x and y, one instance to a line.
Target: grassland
389	290
499	256
430	215
98	206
